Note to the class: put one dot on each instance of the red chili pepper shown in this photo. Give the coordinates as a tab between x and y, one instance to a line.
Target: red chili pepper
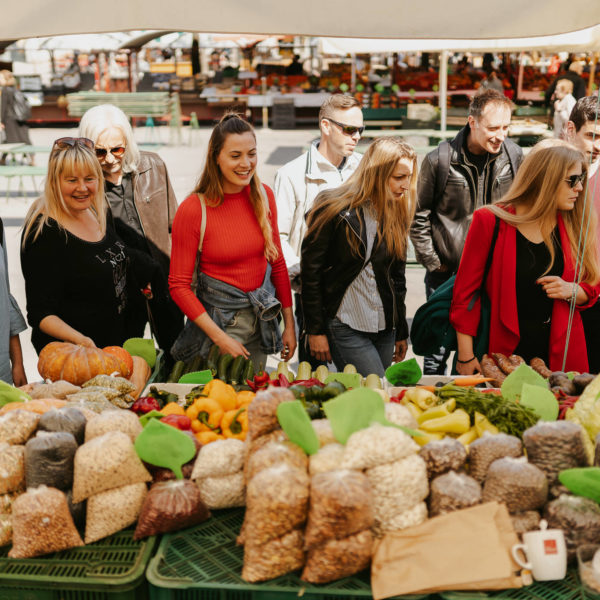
309	382
398	397
284	382
144	405
178	421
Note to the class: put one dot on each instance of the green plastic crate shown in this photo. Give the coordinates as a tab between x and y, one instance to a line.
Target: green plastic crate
204	563
110	569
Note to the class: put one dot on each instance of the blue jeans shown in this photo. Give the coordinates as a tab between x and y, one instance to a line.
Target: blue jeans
368	352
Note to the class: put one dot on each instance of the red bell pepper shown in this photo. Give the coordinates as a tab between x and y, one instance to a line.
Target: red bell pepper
261	381
178	421
144	405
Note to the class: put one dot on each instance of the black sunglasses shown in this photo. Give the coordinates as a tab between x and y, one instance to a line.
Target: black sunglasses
71	142
573	180
116	152
347	129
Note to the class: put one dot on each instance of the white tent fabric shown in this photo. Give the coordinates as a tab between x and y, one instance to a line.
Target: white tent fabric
437	19
84	42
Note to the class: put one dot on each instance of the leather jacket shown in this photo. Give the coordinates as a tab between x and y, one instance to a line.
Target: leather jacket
156	205
328	267
440	224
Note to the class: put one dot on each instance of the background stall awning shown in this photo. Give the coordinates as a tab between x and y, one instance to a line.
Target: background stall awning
435	19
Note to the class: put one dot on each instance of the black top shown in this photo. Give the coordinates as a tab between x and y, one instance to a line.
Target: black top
533	305
83	283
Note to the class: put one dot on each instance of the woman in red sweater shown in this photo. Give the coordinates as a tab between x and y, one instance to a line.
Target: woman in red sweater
227	230
532	279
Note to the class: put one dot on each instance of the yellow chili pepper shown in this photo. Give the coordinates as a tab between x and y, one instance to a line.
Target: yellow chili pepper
456	422
234	423
244	398
482	424
207	412
206	437
172	408
222	392
425	437
466	438
441	410
414	410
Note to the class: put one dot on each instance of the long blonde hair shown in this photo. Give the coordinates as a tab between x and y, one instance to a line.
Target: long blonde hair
210	183
51	203
535	188
368	187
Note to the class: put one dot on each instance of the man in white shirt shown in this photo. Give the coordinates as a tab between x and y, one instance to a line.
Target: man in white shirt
327	164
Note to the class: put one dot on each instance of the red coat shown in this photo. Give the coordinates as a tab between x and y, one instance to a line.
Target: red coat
501	289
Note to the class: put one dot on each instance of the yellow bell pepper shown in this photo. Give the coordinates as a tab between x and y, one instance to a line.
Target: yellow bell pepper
441	410
456	422
205	414
414	410
466	438
234	423
244	398
482	424
206	437
426	437
424	399
172	408
222	392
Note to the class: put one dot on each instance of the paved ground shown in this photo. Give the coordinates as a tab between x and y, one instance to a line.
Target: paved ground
184	162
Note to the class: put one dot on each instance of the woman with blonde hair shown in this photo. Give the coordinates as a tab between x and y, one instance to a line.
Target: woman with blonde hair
353	261
226	233
544	259
75	267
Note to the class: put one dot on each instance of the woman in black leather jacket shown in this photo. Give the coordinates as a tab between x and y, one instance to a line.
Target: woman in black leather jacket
353	259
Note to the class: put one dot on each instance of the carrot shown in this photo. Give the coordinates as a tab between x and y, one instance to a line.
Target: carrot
470	381
429	388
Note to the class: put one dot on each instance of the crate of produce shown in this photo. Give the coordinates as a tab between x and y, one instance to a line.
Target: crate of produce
204	563
110	569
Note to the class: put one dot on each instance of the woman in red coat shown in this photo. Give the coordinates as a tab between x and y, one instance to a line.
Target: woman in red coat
531	279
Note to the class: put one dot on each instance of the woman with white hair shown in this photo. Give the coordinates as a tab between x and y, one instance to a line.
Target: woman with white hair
143	205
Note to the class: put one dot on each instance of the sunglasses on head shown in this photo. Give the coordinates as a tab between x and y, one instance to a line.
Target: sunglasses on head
347	129
573	180
116	152
71	142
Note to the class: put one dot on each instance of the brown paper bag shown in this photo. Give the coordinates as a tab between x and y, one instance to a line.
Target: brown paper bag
469	549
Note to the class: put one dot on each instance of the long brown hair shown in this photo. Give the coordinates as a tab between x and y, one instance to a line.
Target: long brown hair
210	183
535	187
369	187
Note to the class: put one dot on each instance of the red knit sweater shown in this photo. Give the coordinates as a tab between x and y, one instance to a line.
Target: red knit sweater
232	251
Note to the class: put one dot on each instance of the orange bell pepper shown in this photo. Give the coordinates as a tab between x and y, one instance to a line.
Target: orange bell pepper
234	423
222	392
244	398
206	414
172	408
206	437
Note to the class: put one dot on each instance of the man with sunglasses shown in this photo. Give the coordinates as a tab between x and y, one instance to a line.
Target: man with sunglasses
475	168
327	164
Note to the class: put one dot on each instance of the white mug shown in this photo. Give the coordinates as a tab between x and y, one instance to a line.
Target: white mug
546	553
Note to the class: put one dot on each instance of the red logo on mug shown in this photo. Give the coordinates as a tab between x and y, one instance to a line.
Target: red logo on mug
550	547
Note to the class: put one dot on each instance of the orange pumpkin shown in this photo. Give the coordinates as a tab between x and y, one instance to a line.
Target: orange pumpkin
140	375
123	355
77	364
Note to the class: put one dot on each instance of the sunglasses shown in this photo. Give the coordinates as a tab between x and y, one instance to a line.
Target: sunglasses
71	142
573	180
116	152
347	129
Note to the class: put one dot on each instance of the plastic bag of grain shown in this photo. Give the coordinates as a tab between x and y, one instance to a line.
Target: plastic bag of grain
49	460
170	506
328	458
113	510
324	432
223	457
105	463
12	468
68	419
339	558
400	415
262	412
58	389
17	426
442	456
516	482
42	524
388	520
113	420
528	520
453	491
5	529
488	448
224	491
276	453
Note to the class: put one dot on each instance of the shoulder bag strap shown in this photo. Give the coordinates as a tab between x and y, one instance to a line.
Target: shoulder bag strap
203	224
488	263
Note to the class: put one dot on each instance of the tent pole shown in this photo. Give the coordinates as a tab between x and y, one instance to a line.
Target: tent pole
594	60
353	73
443	85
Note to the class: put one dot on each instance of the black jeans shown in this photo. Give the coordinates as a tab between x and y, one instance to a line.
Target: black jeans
303	347
591	328
435	364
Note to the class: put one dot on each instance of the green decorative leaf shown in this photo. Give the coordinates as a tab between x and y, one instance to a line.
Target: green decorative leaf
407	372
142	347
584	482
542	401
513	384
294	420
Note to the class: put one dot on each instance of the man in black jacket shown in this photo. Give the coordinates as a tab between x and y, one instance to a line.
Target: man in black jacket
475	168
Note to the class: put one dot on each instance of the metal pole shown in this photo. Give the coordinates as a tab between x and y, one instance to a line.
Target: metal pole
353	74
443	91
265	110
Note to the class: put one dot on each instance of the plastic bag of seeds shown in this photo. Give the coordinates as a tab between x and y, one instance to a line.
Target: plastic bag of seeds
554	446
68	419
6	502
578	517
105	463
5	530
122	385
224	491
328	458
442	456
339	558
516	482
17	426
12	468
170	506
49	460
223	457
277	557
113	420
276	453
58	389
113	510
386	522
324	432
488	448
526	521
453	491
400	415
42	524
377	445
340	505
262	412
276	503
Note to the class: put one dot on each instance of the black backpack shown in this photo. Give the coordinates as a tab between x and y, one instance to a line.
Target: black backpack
21	108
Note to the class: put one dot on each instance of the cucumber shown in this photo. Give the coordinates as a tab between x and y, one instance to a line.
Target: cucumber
349	368
176	372
237	368
304	370
282	367
212	359
223	366
322	373
248	372
373	381
195	364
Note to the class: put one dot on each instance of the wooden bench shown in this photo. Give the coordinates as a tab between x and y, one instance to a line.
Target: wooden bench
133	104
